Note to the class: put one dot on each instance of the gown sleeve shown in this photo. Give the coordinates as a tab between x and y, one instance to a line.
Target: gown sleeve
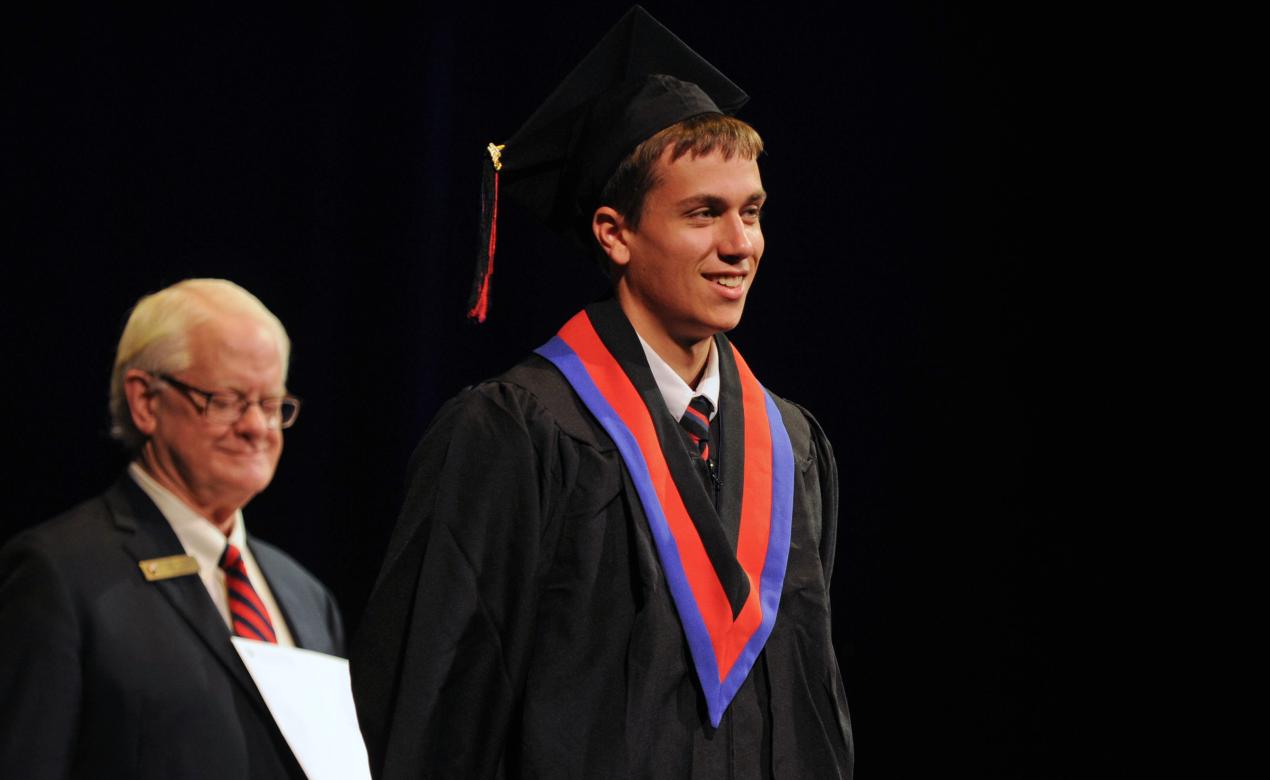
827	478
440	660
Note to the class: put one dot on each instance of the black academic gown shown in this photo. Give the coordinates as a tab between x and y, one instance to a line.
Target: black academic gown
104	674
522	627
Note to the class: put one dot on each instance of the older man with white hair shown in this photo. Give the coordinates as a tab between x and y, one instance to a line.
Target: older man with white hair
116	617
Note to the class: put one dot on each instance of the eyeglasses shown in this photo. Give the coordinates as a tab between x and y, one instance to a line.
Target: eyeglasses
229	408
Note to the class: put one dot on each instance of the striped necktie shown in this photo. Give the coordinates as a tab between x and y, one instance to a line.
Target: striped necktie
246	610
696	421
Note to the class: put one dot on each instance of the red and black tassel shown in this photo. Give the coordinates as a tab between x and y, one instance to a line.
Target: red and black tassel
487	234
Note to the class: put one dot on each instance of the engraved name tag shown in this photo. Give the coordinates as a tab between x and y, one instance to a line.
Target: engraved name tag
169	567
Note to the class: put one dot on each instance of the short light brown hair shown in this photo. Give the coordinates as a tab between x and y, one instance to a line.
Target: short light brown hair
699	135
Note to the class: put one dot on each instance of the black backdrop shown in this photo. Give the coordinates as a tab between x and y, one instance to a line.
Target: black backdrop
915	294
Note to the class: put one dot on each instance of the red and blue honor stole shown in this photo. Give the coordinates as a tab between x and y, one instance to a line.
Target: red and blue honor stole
726	592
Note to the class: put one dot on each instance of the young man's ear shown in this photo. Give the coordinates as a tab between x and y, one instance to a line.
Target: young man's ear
609	228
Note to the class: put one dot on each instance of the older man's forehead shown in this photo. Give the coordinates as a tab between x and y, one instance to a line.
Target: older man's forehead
237	355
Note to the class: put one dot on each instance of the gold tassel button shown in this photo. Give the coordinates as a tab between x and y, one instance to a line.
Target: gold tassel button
496	154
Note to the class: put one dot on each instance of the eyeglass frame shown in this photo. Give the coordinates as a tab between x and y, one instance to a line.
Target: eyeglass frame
243	403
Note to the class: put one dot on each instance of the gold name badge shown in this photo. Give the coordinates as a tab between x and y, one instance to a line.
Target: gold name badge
169	567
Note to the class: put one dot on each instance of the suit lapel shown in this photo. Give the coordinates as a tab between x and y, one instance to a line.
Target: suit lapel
152	537
289	602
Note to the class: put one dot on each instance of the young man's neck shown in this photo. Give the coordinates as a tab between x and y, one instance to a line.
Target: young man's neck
686	357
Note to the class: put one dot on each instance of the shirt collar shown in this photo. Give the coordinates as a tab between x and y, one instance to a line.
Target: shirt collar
197	535
674	390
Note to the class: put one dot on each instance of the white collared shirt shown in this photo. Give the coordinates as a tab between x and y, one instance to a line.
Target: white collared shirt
674	390
205	543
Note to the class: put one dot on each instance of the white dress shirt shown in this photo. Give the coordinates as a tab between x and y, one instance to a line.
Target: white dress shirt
205	543
675	390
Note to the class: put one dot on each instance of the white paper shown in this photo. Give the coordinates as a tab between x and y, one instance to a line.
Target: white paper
311	699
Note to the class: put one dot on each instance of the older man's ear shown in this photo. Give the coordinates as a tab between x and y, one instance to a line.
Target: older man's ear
136	386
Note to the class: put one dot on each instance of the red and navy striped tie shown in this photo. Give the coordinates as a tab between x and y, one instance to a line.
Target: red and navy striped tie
247	611
696	421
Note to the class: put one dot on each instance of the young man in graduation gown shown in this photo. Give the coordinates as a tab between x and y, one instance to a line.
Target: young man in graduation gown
614	560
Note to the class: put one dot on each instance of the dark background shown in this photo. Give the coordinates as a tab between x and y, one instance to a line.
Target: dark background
925	292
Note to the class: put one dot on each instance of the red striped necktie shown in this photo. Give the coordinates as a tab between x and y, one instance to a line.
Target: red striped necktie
696	421
247	611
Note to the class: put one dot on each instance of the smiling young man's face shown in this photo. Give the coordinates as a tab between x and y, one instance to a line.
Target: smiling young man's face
686	270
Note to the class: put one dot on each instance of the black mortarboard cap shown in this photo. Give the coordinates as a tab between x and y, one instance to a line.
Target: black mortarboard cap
639	79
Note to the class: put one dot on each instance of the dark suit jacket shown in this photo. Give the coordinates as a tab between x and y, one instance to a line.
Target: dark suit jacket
103	674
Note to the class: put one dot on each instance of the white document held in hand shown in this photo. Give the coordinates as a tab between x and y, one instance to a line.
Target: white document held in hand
311	699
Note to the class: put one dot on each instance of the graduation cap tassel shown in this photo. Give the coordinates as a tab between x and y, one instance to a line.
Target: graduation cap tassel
487	230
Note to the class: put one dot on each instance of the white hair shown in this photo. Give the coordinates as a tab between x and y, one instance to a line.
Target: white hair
156	338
